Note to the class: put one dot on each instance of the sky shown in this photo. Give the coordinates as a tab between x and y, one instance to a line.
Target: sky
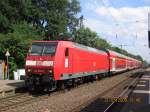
120	22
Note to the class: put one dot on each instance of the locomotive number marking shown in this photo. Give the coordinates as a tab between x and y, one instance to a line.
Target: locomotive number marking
39	63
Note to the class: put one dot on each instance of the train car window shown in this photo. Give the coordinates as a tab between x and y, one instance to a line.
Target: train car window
49	50
67	52
35	50
41	48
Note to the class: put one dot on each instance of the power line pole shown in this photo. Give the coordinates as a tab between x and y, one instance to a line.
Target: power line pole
121	47
81	21
149	29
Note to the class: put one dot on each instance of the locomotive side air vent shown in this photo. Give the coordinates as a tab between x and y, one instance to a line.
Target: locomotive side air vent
67	52
66	58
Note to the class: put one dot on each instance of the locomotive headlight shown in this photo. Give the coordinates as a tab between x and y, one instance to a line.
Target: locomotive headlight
50	71
29	70
47	63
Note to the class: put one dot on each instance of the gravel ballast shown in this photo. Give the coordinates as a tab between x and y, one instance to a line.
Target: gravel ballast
65	102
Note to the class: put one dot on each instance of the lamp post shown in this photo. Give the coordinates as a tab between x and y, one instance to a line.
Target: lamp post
7	55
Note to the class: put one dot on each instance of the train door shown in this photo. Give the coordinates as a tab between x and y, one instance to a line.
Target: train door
113	64
126	64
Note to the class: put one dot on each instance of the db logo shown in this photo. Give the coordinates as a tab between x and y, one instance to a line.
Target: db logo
39	63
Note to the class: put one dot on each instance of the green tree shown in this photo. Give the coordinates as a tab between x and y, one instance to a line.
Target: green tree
101	43
50	17
17	43
12	12
89	38
58	17
117	49
85	36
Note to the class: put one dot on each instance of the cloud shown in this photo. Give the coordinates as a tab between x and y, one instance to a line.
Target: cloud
129	23
123	14
129	20
147	2
91	4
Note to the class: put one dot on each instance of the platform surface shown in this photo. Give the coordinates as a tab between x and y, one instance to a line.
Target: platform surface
139	99
10	84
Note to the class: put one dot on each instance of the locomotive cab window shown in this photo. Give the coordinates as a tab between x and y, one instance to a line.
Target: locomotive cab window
43	49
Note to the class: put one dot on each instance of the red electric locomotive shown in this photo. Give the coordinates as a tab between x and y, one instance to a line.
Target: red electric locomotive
55	64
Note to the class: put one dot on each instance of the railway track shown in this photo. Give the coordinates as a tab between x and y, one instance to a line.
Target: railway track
25	98
102	104
132	85
15	101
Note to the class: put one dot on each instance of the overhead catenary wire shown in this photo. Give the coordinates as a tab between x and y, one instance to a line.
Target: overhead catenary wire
118	23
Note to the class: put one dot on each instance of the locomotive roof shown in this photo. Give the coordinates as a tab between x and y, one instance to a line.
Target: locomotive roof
47	41
80	46
87	48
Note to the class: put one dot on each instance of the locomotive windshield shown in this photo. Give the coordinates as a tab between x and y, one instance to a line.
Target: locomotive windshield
43	48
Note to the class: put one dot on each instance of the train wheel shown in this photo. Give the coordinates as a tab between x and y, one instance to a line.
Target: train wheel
85	80
74	84
31	88
61	85
52	86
